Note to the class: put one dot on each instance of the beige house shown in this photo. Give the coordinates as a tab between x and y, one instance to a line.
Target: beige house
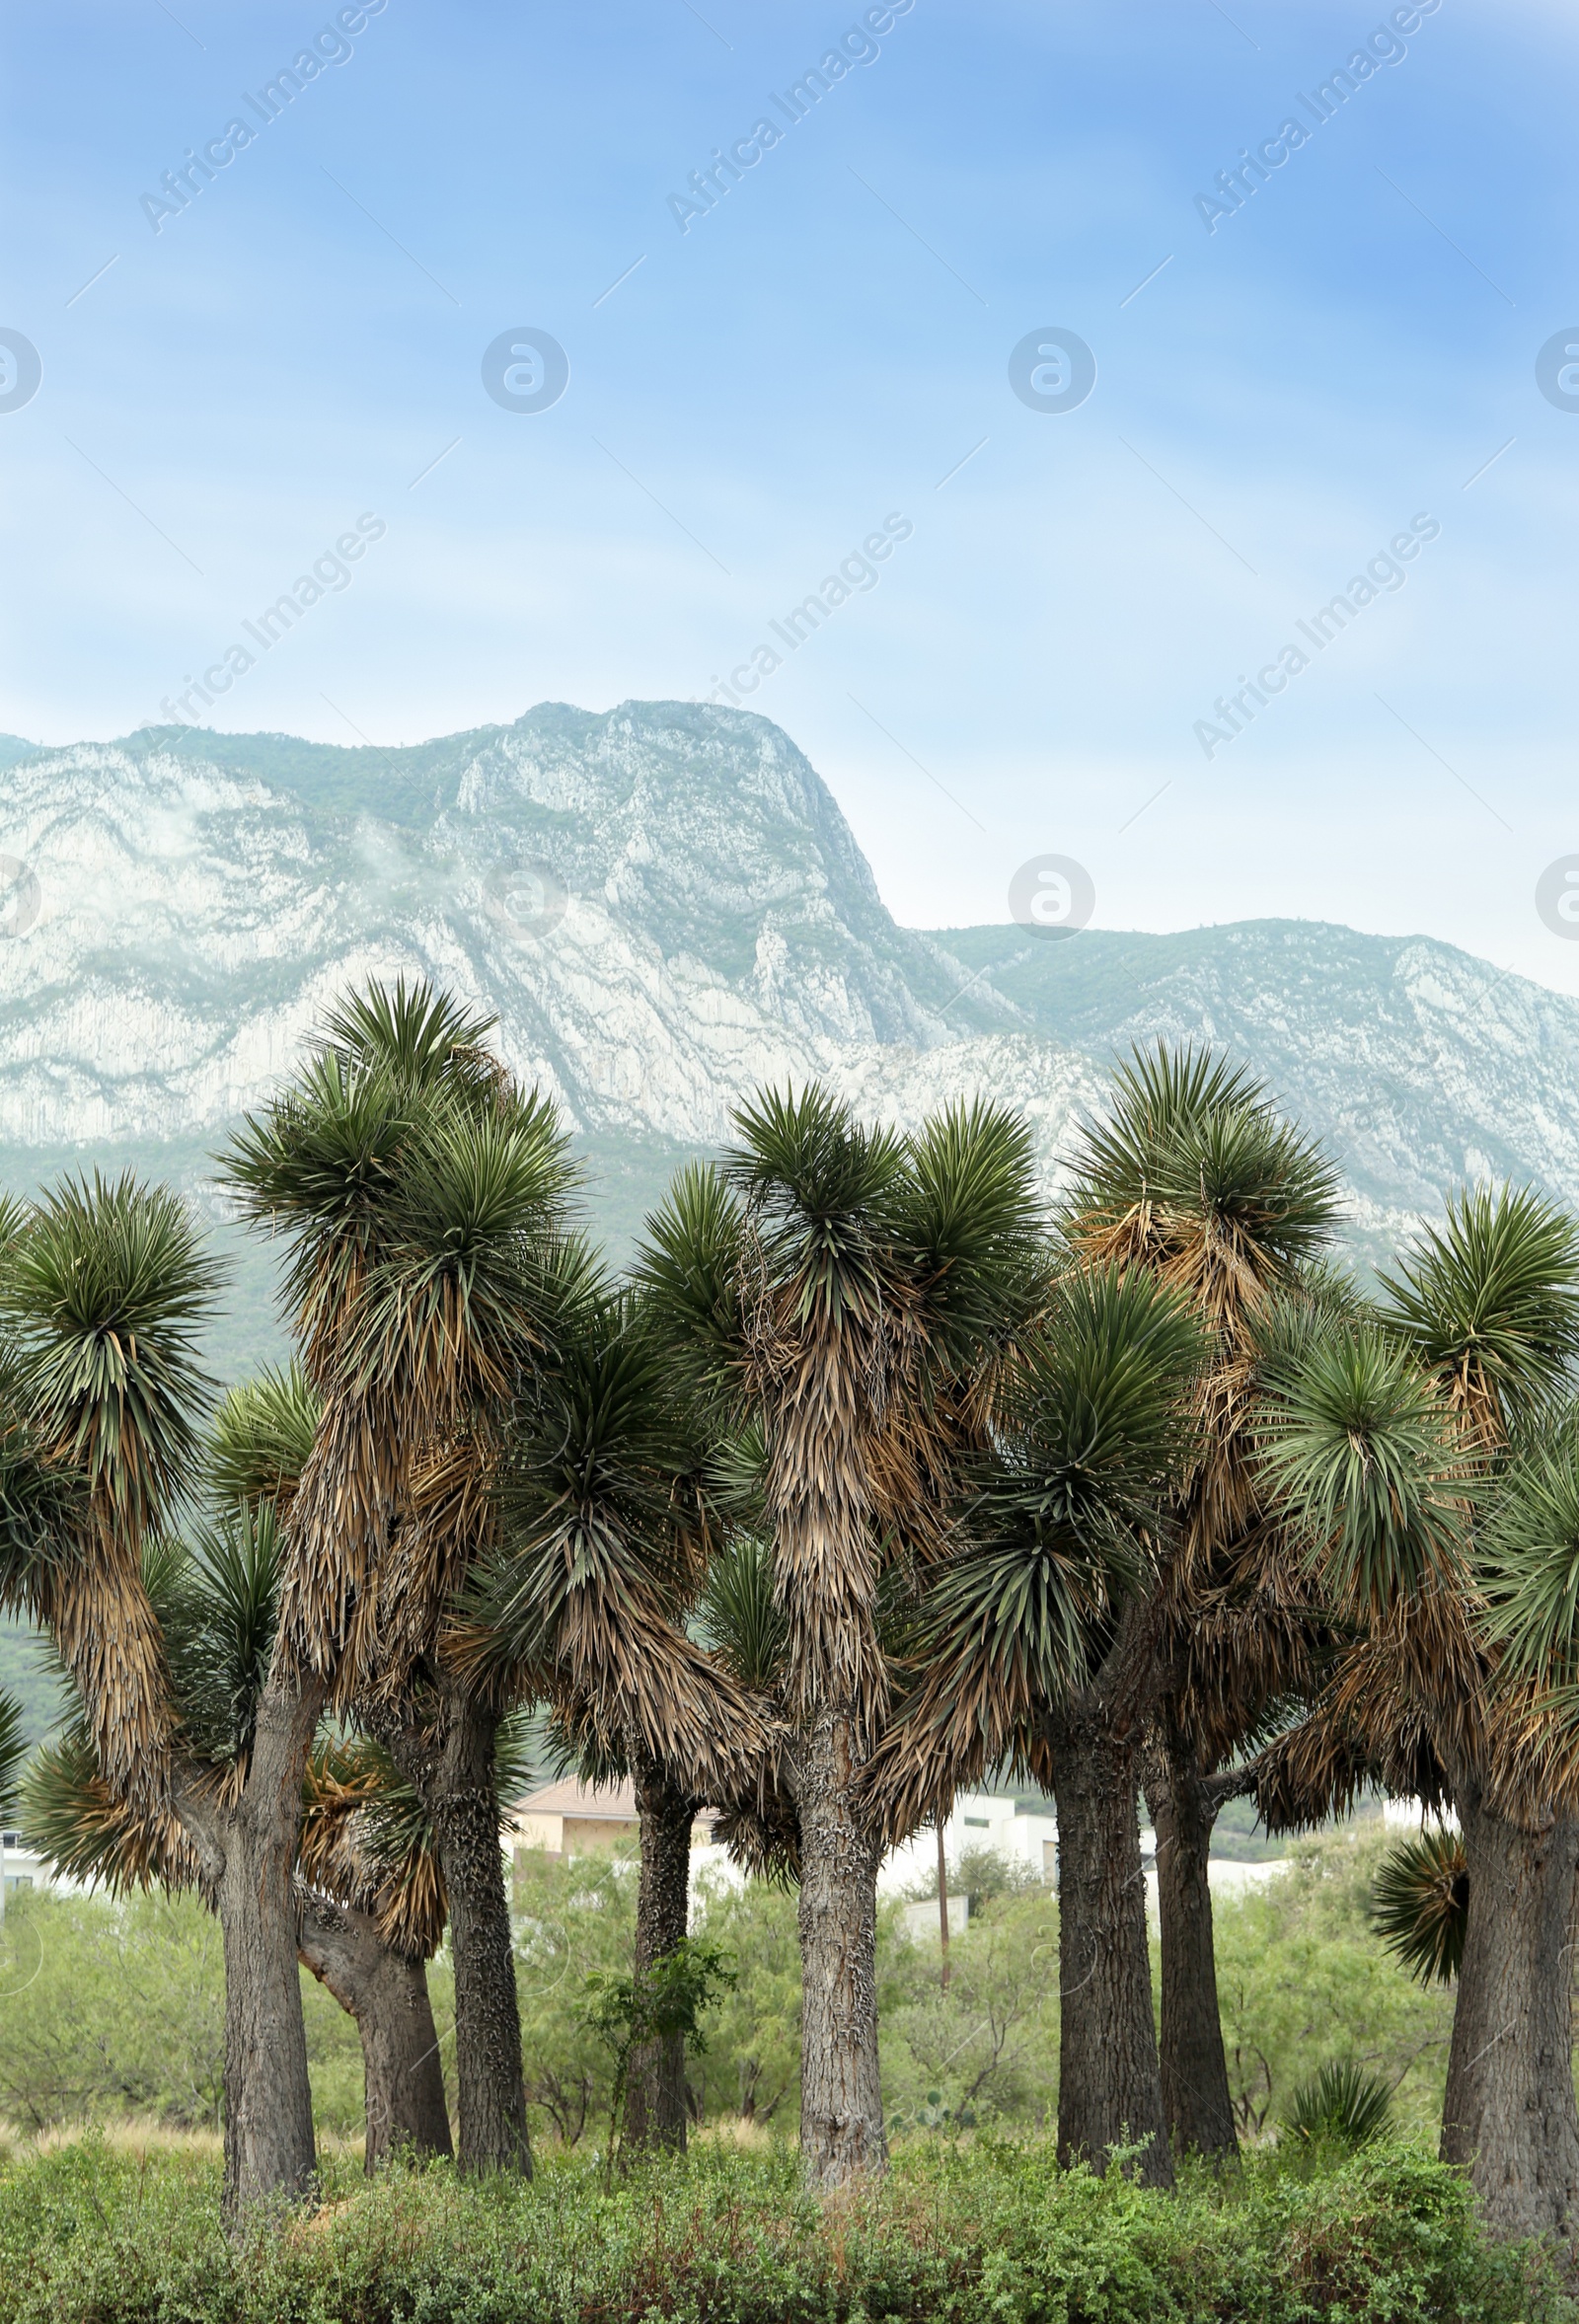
576	1819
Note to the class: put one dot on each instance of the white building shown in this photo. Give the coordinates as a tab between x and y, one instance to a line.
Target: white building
23	1870
572	1819
980	1820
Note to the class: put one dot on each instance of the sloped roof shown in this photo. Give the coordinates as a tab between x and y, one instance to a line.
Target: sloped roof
613	1803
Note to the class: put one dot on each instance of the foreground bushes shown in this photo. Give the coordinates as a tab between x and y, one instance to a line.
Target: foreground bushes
91	2234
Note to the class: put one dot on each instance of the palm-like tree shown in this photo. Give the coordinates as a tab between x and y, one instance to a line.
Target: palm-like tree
1194	1176
214	1606
847	1289
421	1192
370	1898
1417	1450
606	1529
356	1928
374	1911
370	1909
1030	1645
105	1288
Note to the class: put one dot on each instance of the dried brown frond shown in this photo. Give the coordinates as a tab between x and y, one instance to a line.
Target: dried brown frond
336	1529
446	1522
822	1380
762	1833
339	1856
103	1630
74	1819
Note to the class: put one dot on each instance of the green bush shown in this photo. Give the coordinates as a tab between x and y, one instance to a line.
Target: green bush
115	2009
751	2072
986	2050
110	2009
992	2233
573	1919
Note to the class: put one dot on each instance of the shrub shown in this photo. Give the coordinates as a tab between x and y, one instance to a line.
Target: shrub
988	2233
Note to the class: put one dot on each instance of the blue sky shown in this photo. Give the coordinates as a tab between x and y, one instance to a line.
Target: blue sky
301	345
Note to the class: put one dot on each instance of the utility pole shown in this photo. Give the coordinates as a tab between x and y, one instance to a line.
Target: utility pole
942	1899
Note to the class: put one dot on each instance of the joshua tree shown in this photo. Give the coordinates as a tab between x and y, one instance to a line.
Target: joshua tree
104	1289
1194	1176
371	1902
847	1289
424	1196
1031	1643
370	1907
605	1534
373	1909
1418	1450
356	1931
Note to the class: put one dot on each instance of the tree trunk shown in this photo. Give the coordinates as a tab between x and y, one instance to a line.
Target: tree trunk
386	1992
841	2093
1197	2105
1109	2081
1509	2113
654	2103
451	1765
268	2099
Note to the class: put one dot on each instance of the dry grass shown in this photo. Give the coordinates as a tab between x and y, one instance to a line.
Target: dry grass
733	2132
142	2135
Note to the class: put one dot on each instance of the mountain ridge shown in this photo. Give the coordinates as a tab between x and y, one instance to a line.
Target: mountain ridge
665	907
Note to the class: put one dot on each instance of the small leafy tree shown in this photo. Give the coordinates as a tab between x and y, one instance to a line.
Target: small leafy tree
665	2003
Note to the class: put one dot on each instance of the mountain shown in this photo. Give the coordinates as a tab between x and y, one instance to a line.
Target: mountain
665	907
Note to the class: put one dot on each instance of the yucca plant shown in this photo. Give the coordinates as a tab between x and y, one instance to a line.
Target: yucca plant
105	1290
606	1528
1426	1455
1420	1904
1196	1178
847	1292
419	1191
1489	1302
1030	1633
369	1910
1341	2106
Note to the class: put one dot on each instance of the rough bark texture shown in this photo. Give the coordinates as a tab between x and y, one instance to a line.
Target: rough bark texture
1110	2085
1197	2105
841	2095
654	2103
451	1763
1509	2113
249	1855
387	1993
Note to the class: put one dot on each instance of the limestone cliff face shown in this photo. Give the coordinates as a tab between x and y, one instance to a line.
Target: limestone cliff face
664	908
